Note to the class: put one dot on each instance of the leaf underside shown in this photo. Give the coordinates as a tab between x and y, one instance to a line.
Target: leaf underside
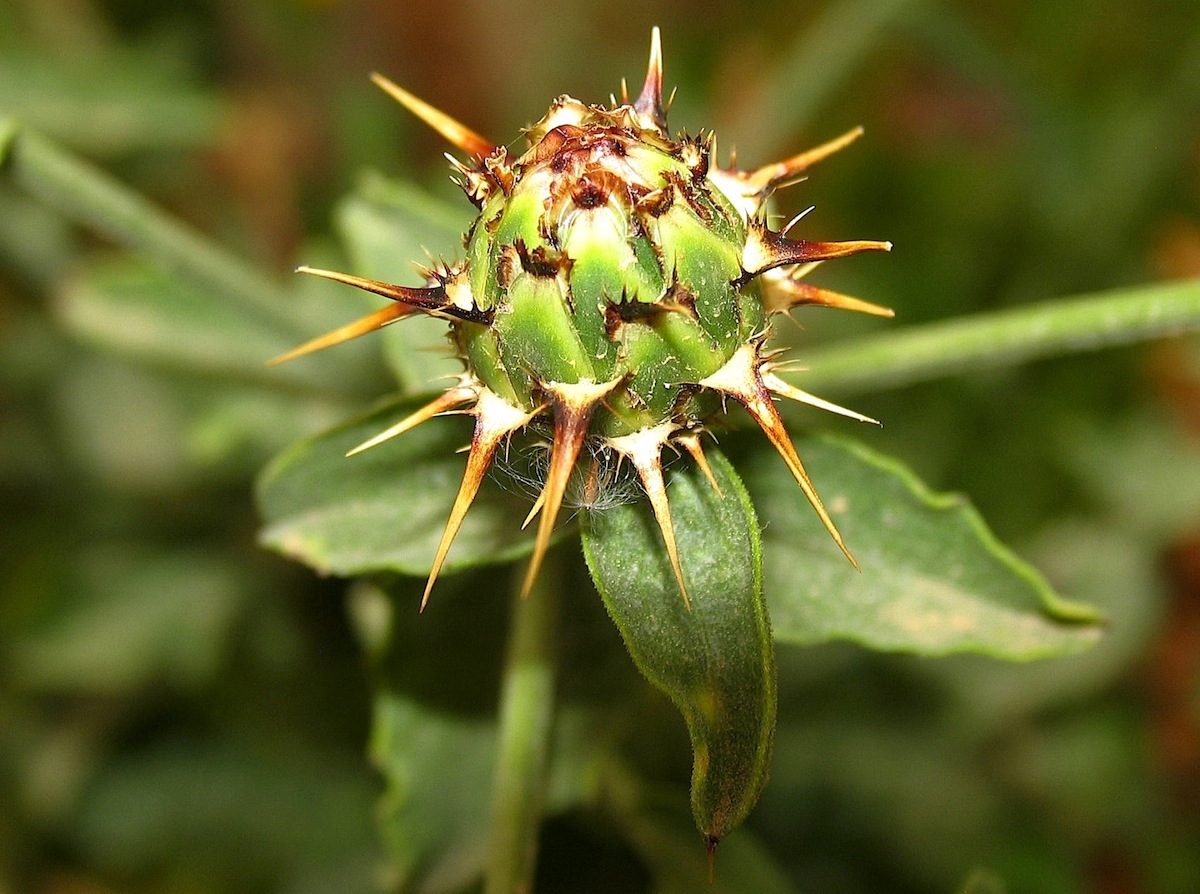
714	660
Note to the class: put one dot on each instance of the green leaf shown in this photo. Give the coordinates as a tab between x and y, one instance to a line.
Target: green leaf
1121	575
127	617
387	223
934	579
35	243
228	810
438	768
9	129
714	660
902	774
386	226
1114	463
435	736
810	72
133	308
384	509
92	198
434	814
143	432
982	881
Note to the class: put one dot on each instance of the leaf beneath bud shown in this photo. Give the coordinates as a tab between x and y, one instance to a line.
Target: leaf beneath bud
714	659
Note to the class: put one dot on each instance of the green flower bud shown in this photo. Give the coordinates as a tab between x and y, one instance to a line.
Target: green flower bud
618	282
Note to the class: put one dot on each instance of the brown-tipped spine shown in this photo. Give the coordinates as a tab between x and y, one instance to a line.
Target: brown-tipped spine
495	420
370	323
443	403
774	176
458	135
690	441
649	104
573	405
644	450
766	249
431	299
740	379
782	292
776	385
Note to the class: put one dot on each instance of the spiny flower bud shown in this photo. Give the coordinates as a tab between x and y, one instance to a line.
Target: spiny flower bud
617	281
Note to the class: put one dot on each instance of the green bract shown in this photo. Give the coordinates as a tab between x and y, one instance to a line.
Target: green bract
618	284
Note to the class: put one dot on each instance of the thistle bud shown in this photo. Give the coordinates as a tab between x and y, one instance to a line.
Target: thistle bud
617	284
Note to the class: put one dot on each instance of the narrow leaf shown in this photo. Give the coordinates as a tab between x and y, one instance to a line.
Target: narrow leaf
133	308
715	659
934	579
437	768
109	102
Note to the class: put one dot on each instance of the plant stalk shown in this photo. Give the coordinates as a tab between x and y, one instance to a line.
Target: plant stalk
526	725
1007	337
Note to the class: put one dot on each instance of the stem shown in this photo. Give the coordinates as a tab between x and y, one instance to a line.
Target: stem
90	197
1006	337
526	723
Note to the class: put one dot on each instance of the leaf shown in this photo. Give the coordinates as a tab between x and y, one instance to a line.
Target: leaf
122	618
438	766
983	881
387	224
934	579
229	810
9	128
35	243
434	729
1145	467
873	761
133	308
714	660
384	509
388	227
812	70
143	432
434	813
1121	575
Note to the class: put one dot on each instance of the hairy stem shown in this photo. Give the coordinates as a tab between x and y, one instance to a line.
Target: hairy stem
526	723
1007	337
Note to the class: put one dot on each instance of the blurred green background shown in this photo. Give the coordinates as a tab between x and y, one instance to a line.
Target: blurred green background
183	712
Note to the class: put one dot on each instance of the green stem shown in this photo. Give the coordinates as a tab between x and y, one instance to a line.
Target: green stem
526	723
90	197
1065	326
